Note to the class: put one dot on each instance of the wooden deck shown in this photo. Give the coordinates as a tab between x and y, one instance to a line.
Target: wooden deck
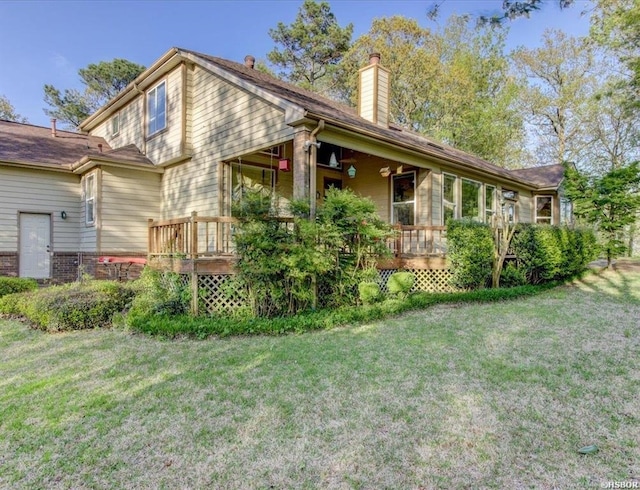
204	245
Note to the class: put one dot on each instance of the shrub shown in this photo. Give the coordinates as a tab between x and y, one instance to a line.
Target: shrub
511	276
71	306
10	285
369	292
400	283
159	293
470	253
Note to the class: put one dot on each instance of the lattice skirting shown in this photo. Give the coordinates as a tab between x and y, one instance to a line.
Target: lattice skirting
214	297
430	280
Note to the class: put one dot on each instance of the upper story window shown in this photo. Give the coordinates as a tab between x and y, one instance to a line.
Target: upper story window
115	124
157	108
404	199
90	199
544	209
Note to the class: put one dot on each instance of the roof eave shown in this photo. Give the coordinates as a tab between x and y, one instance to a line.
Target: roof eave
88	162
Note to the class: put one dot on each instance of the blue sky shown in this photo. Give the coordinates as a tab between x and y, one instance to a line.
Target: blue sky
48	41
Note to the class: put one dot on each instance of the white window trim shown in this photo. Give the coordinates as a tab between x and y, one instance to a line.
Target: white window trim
115	120
90	180
456	196
414	201
154	90
547	219
481	202
493	210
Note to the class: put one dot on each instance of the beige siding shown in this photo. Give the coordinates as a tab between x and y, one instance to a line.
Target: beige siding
383	97
525	207
423	202
369	183
226	122
129	198
436	199
38	191
131	126
167	144
89	233
367	95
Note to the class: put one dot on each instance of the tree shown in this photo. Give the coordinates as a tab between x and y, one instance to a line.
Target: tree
311	45
560	80
451	84
102	81
8	112
610	202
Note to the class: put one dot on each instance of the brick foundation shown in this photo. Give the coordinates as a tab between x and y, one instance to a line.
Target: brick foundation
9	264
64	267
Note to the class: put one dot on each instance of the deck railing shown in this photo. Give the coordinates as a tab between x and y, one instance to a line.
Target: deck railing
205	236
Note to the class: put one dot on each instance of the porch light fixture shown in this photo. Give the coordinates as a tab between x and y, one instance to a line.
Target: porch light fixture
351	172
63	215
385	172
333	161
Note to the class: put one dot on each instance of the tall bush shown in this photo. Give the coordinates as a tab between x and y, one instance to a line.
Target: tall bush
470	251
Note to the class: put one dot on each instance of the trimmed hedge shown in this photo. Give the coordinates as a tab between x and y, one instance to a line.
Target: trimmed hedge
470	253
71	306
11	285
550	253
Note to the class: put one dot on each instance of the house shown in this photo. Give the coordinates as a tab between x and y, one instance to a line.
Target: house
155	171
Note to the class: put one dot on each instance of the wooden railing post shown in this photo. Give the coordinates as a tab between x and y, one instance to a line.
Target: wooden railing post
193	252
398	240
150	237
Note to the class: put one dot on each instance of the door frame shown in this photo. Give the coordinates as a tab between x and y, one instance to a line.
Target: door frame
49	214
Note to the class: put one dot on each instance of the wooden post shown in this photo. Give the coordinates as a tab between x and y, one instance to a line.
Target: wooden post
194	290
193	252
150	237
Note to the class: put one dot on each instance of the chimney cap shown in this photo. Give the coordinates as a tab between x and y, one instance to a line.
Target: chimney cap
249	61
374	58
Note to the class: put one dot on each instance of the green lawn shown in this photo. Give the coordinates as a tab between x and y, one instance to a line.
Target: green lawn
479	396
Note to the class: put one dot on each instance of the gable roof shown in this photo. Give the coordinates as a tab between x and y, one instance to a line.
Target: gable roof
547	177
341	114
34	145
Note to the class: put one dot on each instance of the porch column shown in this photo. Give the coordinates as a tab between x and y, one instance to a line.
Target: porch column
301	164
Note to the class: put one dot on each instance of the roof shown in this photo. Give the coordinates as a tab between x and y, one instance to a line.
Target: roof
549	176
28	144
323	107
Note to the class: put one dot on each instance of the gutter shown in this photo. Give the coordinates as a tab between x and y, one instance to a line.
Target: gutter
88	162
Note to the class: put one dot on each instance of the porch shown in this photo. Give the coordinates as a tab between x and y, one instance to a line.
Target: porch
204	245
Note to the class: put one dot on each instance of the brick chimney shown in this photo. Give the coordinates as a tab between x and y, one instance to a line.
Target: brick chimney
249	61
54	132
373	92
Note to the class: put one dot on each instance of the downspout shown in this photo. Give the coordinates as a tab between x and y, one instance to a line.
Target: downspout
313	167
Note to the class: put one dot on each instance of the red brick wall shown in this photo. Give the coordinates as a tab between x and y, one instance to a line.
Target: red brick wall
9	264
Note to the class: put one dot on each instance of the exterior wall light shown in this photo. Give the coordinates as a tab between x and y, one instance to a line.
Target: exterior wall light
351	171
63	215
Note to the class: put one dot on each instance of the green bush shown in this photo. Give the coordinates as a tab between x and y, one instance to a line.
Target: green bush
369	292
400	283
511	276
70	307
159	293
470	253
10	285
549	253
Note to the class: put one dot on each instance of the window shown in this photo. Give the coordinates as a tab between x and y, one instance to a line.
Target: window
404	199
250	178
157	109
544	209
489	203
471	199
510	209
448	197
90	199
566	211
115	125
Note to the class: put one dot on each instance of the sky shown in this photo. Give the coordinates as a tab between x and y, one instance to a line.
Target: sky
46	42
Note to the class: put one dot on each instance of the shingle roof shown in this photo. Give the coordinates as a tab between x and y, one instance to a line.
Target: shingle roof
25	143
324	107
549	176
129	154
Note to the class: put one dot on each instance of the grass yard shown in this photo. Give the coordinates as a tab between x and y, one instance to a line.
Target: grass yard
478	396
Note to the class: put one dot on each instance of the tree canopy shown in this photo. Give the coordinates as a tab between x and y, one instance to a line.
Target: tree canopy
102	81
310	46
8	112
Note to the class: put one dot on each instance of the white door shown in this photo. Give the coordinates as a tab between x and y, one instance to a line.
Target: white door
35	245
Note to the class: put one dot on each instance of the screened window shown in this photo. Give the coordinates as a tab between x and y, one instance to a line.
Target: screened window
249	178
471	199
115	124
90	199
448	197
544	209
404	198
157	109
566	211
489	203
